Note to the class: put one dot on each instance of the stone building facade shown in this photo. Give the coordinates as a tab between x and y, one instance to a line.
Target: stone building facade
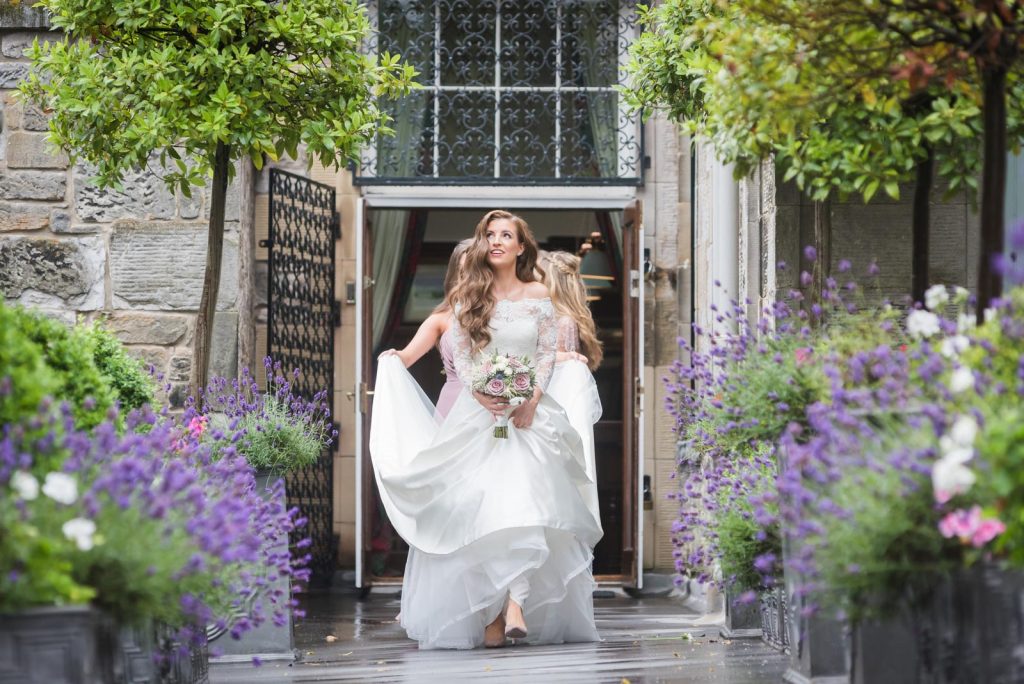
135	257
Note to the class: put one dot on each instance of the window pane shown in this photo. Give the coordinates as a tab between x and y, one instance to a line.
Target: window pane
406	28
528	135
466	138
528	43
590	43
590	135
467	42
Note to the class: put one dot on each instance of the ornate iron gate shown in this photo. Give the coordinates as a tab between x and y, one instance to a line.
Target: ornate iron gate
302	315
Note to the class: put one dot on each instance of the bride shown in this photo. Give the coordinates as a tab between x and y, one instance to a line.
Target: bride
500	528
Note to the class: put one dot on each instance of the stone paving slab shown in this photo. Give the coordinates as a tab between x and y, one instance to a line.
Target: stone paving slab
648	640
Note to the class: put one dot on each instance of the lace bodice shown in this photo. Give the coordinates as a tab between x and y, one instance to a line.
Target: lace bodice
524	327
568	335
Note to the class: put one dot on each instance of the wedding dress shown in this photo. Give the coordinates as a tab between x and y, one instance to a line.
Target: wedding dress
481	514
572	385
452	385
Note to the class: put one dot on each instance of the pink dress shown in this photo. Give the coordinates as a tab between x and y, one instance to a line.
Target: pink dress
452	386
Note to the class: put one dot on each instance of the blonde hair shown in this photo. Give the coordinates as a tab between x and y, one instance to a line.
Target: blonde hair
569	297
451	276
472	294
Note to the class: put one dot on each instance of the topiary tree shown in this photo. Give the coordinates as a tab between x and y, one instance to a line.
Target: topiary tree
202	83
841	105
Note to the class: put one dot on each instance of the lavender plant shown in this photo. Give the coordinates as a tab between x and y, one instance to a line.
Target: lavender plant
143	524
276	430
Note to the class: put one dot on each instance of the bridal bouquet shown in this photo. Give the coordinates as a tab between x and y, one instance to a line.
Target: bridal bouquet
506	376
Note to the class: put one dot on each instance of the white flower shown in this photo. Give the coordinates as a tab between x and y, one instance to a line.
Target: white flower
990	315
954	346
960	295
25	484
922	323
61	487
950	478
935	297
965	323
964	431
953	452
80	531
961	380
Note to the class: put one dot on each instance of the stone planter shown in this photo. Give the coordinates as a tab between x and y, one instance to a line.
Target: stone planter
742	621
971	630
268	641
81	645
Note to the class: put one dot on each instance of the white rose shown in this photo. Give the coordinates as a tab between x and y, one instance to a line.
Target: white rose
935	297
954	346
922	323
953	452
964	431
965	322
25	484
950	478
961	380
80	531
61	487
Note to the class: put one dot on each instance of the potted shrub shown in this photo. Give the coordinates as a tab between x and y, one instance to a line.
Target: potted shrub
276	431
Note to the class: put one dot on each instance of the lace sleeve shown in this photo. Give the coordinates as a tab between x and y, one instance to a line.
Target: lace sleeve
462	353
568	337
547	340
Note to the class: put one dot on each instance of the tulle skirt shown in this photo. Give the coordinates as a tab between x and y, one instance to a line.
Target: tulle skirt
478	512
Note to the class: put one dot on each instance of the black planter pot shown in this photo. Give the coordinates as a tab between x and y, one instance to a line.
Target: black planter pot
81	645
970	630
742	621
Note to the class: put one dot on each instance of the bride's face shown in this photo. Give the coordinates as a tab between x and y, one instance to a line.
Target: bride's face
503	245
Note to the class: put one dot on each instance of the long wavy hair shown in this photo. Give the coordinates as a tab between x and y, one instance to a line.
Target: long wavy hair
472	296
569	297
452	275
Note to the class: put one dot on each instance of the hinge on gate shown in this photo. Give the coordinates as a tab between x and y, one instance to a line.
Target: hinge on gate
265	244
638	394
335	313
634	283
336	226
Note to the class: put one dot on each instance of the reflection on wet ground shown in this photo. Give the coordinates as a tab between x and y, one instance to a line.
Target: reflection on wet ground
344	639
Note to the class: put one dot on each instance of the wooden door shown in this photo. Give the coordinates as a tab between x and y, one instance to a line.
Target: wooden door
632	395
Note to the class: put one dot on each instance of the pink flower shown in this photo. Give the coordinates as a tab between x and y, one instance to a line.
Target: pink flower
197	426
803	355
496	387
970	528
521	382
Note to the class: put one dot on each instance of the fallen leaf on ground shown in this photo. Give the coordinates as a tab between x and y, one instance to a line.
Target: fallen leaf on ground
330	638
347	654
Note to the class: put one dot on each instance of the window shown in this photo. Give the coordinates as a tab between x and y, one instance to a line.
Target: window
515	92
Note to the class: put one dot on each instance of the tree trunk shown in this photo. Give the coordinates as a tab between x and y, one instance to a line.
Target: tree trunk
993	187
211	281
246	269
922	224
823	246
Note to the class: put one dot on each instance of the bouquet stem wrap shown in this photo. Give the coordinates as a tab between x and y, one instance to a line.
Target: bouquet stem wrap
501	423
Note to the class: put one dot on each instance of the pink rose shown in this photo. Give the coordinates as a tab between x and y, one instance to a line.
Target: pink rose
521	382
496	387
970	528
803	355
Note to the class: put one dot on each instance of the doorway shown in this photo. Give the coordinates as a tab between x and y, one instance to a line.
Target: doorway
405	254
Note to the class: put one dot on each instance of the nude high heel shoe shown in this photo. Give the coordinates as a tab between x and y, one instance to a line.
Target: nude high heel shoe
515	624
494	633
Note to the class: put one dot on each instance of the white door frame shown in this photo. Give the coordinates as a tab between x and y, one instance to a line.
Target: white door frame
614	198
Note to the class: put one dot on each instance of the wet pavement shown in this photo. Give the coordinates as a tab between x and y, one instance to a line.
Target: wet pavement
344	639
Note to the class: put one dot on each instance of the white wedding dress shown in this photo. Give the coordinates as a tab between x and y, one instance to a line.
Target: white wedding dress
484	515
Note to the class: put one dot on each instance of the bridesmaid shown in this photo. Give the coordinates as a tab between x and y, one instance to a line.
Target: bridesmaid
436	331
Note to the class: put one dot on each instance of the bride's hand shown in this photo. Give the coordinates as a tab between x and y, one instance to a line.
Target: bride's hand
522	416
496	406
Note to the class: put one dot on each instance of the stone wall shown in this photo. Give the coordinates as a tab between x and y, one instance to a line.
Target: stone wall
134	256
